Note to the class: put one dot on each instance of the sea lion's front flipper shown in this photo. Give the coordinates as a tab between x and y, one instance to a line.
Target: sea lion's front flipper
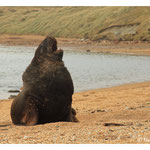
30	117
30	114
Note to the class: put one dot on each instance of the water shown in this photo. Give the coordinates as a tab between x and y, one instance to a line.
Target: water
88	70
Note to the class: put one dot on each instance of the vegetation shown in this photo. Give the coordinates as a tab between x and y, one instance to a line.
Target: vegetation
95	23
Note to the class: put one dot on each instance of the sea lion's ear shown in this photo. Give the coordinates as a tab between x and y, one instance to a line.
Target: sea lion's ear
59	54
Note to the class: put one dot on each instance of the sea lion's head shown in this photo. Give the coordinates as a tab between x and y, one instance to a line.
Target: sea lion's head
48	48
49	44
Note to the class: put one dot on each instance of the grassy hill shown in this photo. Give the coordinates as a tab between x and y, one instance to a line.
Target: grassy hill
94	23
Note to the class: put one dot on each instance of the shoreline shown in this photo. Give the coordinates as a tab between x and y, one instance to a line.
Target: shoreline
127	105
98	89
116	47
115	87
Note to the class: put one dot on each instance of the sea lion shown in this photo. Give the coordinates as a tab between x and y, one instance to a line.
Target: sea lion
47	89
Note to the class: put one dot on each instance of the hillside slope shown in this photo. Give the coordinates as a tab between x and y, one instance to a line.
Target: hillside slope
94	23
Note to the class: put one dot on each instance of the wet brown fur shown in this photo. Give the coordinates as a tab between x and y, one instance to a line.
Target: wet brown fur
47	89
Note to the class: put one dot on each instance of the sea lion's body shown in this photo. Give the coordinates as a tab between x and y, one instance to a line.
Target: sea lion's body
47	89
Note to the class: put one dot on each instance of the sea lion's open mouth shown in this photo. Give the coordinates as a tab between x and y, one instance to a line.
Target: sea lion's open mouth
54	46
59	49
59	53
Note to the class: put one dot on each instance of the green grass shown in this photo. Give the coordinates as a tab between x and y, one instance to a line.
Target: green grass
95	23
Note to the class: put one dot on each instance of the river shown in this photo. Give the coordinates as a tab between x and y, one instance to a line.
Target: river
88	70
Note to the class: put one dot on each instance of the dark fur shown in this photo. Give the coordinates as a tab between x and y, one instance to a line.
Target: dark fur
47	89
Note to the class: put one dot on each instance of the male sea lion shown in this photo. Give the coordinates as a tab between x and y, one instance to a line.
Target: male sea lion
47	89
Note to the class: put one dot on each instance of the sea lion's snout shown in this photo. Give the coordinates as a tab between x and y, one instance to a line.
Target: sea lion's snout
51	44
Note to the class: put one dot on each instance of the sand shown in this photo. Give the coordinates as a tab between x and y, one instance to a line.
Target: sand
128	106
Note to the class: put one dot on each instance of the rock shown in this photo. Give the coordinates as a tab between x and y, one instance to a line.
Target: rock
113	124
99	110
92	112
139	124
12	96
85	95
130	108
142	106
147	120
111	130
129	123
88	50
25	137
124	136
13	91
82	40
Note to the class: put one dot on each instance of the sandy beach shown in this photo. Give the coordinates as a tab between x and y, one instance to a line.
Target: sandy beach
119	114
113	115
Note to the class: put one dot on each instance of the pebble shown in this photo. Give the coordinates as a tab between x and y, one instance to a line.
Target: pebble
129	123
12	96
73	138
139	124
124	136
130	108
141	106
62	134
113	124
85	95
100	110
25	137
88	50
13	91
93	111
111	130
147	120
